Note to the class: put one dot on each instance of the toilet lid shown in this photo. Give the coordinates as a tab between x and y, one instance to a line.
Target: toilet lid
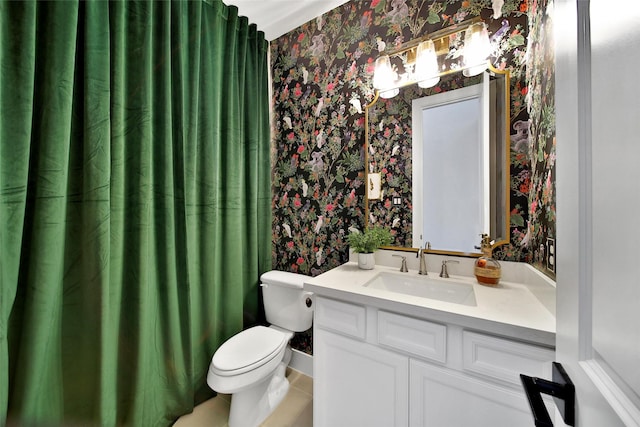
254	346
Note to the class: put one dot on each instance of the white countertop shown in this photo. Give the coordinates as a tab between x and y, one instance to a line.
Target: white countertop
522	311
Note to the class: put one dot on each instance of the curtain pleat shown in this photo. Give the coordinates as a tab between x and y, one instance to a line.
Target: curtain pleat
134	204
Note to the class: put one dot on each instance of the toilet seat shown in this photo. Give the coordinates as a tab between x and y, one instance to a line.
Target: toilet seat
248	350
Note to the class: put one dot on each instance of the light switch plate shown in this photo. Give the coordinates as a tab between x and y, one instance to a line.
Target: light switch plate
551	255
373	186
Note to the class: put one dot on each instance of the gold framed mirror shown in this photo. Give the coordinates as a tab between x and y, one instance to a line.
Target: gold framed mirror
408	190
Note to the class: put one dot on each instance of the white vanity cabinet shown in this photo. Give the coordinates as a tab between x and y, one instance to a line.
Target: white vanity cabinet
376	367
359	383
364	384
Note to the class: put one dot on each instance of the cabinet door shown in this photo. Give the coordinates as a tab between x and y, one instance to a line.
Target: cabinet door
442	397
357	384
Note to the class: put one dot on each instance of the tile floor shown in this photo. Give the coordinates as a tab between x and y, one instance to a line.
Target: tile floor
296	410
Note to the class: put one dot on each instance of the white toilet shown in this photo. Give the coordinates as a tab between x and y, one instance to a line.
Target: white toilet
251	365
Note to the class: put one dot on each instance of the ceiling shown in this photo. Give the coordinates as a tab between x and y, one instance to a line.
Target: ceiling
278	17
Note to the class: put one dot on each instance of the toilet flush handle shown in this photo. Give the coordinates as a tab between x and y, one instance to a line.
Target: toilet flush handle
308	298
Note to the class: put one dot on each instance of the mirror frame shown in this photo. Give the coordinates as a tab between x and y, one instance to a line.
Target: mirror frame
506	239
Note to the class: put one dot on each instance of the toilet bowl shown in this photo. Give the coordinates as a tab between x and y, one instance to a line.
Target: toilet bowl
251	365
247	358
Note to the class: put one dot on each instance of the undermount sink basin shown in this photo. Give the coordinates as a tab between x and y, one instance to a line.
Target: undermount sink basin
448	290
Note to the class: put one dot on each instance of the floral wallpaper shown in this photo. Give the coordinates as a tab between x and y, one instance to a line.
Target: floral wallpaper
322	73
539	151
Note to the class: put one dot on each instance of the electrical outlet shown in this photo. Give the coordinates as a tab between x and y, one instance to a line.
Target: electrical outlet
551	255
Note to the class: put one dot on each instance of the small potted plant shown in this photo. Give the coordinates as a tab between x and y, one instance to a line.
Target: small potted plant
366	243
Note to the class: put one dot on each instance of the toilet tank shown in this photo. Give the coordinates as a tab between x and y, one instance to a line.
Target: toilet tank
286	304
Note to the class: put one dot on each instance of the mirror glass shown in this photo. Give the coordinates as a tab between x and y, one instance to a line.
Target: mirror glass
442	158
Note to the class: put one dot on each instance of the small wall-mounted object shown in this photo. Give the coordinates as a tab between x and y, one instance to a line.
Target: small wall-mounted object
562	390
551	255
373	186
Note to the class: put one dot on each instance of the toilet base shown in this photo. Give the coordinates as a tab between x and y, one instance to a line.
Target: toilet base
252	406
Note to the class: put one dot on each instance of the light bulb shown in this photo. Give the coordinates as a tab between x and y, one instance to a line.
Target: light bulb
383	75
426	71
390	93
476	49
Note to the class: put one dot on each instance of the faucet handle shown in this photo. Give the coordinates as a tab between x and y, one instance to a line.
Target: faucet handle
403	267
443	272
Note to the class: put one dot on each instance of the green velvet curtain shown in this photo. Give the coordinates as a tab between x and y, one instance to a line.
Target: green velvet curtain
134	204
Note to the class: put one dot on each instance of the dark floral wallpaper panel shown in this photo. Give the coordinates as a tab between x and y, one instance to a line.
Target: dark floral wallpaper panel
539	151
322	73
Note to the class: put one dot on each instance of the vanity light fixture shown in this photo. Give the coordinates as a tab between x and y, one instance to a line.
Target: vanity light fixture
419	58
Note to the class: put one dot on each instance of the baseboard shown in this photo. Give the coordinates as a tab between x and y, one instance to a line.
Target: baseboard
302	362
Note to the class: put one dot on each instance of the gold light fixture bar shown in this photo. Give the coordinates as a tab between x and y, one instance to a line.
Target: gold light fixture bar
440	38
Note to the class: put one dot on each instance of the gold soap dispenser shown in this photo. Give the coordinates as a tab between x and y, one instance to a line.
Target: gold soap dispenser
487	269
